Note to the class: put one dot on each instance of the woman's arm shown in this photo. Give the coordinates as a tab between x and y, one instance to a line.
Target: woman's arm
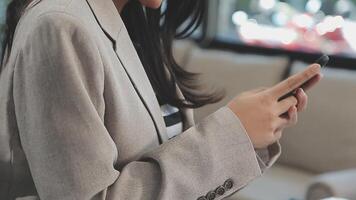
58	94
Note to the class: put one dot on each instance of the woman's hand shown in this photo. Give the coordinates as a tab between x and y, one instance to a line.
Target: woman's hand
263	116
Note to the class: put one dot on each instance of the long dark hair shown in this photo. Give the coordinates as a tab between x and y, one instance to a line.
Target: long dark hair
152	32
13	13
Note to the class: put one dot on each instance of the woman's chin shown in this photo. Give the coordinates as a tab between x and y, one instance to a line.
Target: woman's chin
154	4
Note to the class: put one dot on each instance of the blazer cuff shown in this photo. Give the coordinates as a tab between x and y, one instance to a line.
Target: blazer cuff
268	156
252	170
215	158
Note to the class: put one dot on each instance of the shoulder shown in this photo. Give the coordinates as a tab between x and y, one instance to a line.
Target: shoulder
52	38
54	19
51	31
38	8
52	11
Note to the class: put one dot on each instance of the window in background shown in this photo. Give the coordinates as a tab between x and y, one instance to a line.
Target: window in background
327	26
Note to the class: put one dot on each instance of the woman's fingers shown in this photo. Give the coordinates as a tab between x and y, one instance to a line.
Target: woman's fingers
285	104
288	119
278	134
294	81
258	90
312	81
293	116
302	100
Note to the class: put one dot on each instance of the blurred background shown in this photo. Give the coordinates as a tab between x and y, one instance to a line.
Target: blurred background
300	29
245	44
313	26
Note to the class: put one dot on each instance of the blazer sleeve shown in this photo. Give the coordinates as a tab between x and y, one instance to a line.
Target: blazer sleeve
58	95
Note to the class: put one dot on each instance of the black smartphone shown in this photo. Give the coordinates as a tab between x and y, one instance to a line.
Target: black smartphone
322	61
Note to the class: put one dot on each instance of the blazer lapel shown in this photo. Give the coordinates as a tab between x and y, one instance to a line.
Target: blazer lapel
133	66
107	17
110	21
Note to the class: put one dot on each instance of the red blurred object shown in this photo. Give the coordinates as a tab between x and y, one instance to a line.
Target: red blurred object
335	35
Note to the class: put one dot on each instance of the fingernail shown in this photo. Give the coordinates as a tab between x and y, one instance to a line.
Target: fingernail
292	109
316	67
301	90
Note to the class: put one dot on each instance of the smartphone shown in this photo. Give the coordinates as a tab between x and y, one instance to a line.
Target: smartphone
322	61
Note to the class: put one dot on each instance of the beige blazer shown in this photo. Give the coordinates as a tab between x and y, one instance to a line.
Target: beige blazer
79	119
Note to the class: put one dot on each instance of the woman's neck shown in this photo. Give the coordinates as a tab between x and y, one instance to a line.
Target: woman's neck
120	4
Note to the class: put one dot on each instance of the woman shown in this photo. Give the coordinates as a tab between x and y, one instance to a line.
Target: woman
80	118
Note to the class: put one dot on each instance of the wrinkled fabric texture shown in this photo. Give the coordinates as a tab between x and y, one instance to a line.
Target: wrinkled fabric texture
79	118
